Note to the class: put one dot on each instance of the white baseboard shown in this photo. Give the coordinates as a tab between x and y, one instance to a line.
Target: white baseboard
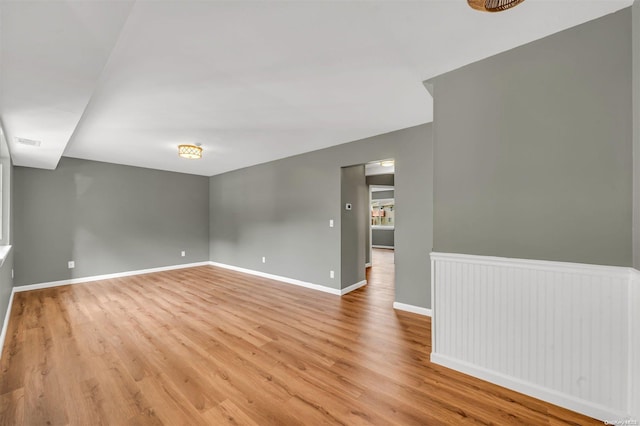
383	247
5	325
287	280
83	280
280	278
549	395
411	308
353	287
367	265
105	277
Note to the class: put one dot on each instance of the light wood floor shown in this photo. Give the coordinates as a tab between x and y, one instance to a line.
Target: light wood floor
210	346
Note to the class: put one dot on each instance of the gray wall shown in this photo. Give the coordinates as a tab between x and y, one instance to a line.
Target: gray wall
533	149
382	237
281	210
107	218
353	225
386	179
7	176
381	195
635	43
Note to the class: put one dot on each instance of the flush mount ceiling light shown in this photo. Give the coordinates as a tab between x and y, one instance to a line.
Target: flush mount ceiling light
387	163
493	5
190	151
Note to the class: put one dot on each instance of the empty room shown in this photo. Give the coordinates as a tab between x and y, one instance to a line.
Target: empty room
319	212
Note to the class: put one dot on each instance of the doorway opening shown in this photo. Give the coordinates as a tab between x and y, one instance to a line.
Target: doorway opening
380	178
367	223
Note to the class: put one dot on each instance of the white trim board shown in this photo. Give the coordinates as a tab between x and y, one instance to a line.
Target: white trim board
105	276
286	280
549	265
527	388
5	325
634	344
38	286
18	289
383	227
411	308
4	252
90	279
383	247
353	287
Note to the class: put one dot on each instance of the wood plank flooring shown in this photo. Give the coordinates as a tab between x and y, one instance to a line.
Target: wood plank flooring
208	346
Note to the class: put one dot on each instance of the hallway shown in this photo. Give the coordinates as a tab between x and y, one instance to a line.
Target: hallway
381	275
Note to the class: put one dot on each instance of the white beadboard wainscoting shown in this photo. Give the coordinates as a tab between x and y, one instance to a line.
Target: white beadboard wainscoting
634	341
565	333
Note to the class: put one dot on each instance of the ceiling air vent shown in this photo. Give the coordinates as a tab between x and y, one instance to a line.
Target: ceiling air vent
29	142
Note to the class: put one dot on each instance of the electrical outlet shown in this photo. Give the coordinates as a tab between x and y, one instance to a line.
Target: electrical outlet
332	274
330	223
71	264
183	253
264	259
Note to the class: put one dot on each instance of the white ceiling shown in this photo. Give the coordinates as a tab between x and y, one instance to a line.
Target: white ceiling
127	81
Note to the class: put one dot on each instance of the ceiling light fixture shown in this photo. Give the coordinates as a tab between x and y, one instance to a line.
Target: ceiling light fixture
493	5
387	163
190	151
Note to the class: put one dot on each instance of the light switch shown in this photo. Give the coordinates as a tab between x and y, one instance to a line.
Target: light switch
330	223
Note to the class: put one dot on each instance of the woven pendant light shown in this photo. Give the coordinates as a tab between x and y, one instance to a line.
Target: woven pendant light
493	5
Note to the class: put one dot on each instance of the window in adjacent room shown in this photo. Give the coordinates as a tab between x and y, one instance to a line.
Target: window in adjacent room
382	212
